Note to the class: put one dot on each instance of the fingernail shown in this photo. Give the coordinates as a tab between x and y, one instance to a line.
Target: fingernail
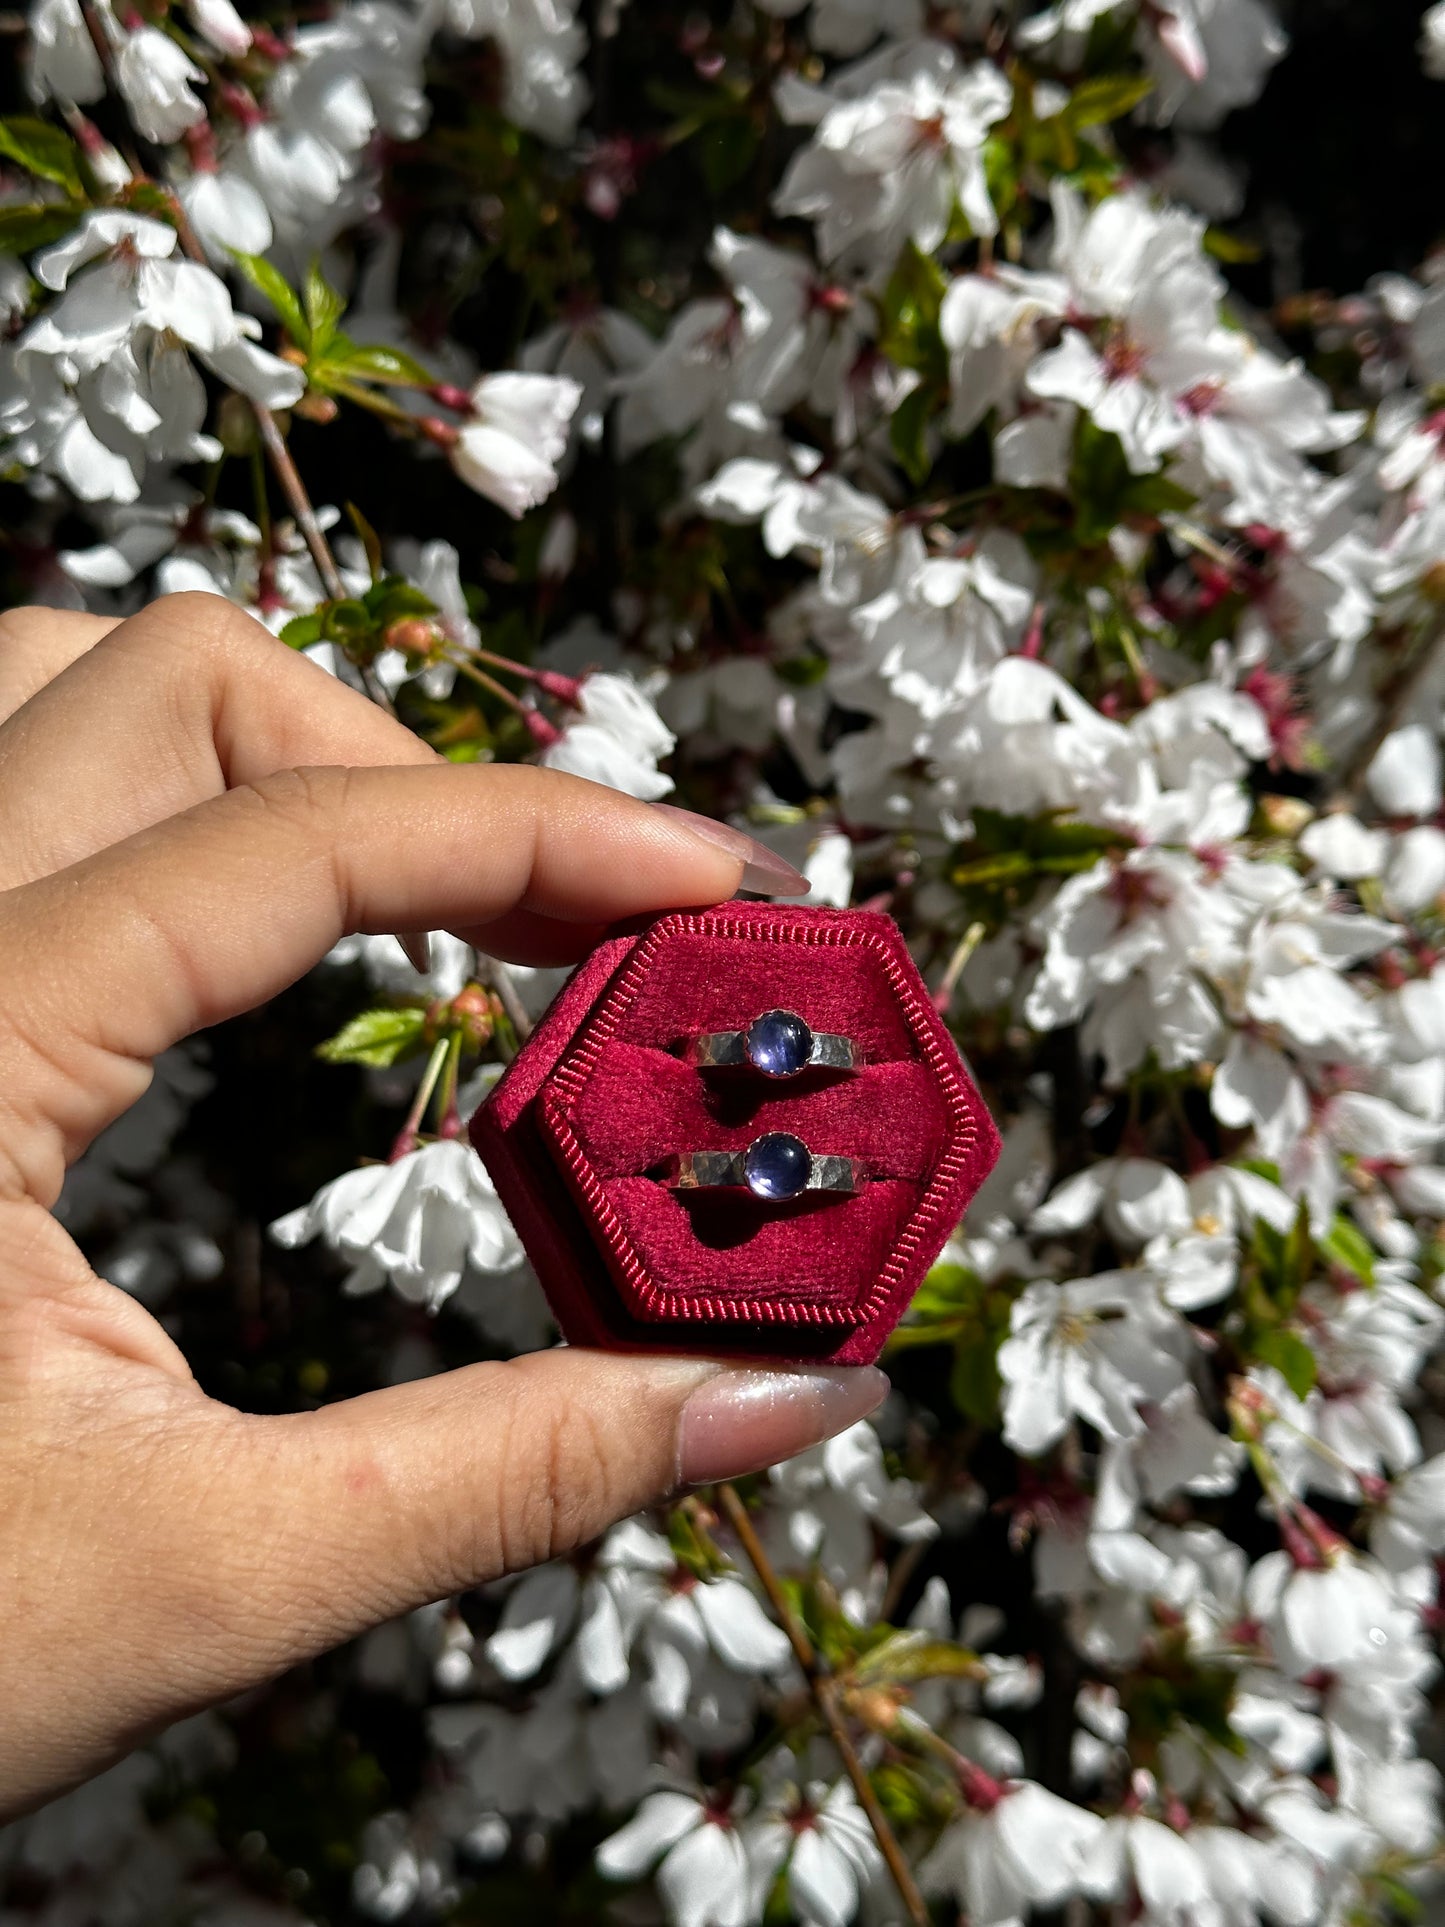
416	944
763	871
741	1421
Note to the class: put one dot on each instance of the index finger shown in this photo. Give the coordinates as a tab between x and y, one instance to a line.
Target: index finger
141	720
212	912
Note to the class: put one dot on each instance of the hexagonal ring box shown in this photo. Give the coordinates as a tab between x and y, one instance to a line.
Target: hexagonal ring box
583	1127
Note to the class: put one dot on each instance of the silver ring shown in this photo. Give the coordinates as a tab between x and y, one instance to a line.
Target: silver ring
777	1043
775	1167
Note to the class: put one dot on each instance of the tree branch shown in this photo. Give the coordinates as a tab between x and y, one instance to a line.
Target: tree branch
823	1688
299	502
1397	699
495	973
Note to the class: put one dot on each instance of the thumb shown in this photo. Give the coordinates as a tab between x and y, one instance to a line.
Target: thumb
338	1519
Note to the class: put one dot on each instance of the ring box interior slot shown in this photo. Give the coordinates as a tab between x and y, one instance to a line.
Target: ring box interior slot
578	1128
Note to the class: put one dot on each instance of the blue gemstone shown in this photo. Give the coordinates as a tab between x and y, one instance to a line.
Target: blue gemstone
777	1165
779	1043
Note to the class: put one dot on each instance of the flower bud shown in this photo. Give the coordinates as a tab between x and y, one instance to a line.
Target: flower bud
1285	815
474	1011
413	635
235	424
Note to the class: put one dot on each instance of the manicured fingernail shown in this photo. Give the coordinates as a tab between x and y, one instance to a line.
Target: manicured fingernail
741	1421
764	871
417	946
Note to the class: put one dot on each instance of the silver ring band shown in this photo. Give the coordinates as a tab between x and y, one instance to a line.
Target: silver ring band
775	1167
778	1044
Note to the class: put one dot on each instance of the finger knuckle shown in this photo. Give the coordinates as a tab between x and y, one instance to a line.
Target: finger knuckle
185	645
302	795
195	619
556	1479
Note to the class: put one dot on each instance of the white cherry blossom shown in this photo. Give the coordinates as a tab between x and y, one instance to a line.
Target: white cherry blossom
510	447
417	1222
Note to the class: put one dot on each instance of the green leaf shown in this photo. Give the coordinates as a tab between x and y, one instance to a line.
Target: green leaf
278	291
31	224
369	540
371	361
901	1794
695	103
1107	97
912	1655
908	331
1230	248
301	631
1012	850
149	197
954	1306
45	151
1345	1245
947	1290
974	1384
1105	489
1299	1250
1291	1358
1155	495
393	597
908	434
324	309
693	1550
802	672
1402	1900
725	151
1261	1167
1176	1690
1003	866
346	620
376	1038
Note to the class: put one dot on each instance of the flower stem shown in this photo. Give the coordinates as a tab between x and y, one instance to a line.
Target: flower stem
406	1137
958	963
449	1123
823	1688
466	667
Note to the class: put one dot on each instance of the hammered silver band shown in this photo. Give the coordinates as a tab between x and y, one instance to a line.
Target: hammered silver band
728	1049
729	1171
753	1048
723	1170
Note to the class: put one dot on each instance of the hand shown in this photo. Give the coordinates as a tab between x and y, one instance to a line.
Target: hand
192	816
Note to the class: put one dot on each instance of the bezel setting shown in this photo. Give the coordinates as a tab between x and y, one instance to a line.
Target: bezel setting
777	1167
779	1043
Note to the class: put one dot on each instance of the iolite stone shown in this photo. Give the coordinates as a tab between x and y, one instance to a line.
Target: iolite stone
777	1165
779	1043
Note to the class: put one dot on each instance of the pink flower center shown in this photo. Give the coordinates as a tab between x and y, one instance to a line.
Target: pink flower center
1123	359
1201	399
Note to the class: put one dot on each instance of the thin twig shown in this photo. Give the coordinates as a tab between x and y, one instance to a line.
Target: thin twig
1393	707
823	1688
299	502
495	973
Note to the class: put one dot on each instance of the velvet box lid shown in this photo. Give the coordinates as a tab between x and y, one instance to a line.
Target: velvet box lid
599	1096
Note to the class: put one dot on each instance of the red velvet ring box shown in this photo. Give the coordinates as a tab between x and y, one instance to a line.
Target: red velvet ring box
577	1127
